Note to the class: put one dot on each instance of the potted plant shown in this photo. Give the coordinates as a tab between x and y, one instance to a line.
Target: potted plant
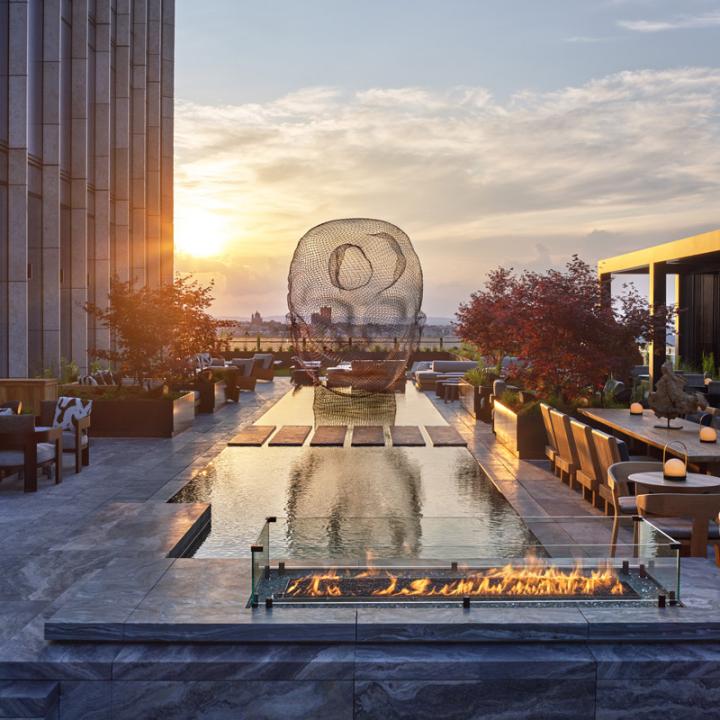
135	411
517	424
475	390
155	331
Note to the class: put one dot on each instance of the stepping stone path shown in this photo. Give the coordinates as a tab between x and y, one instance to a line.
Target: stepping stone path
368	435
445	436
252	436
406	436
329	436
291	435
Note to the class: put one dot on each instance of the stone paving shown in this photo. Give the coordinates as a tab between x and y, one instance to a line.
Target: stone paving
99	542
60	535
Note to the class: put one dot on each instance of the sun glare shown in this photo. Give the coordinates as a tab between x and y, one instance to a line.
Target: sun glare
200	233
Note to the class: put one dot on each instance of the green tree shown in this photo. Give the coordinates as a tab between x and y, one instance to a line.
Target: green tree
157	330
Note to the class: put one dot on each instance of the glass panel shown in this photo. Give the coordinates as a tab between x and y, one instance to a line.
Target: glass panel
260	559
570	558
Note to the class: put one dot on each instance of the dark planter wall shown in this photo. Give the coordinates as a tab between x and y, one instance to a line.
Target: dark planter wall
523	434
158	417
472	397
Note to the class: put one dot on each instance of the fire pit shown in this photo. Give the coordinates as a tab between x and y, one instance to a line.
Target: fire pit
644	571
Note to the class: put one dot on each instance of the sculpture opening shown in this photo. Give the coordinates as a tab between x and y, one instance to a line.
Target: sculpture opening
354	298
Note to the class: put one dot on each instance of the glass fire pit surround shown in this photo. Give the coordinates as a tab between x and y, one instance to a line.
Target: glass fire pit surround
441	568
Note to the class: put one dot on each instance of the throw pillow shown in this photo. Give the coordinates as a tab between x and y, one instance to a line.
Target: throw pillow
68	408
6	411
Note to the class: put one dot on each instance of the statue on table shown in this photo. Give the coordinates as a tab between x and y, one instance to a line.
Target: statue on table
669	400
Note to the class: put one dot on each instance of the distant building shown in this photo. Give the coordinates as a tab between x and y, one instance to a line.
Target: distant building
324	317
256	318
86	168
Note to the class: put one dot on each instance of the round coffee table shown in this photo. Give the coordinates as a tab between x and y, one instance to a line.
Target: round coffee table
695	483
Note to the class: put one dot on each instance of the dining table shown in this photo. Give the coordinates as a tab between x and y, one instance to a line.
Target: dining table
644	428
656	482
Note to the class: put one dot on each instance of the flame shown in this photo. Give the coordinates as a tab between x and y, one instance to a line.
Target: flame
533	579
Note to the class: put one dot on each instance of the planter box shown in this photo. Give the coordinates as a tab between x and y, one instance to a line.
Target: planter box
471	398
211	398
523	435
157	417
29	391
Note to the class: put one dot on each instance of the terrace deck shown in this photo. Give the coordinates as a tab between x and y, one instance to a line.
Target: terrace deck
96	565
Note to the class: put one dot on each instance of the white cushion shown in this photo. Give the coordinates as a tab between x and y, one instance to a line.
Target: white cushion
68	408
16	458
68	440
6	411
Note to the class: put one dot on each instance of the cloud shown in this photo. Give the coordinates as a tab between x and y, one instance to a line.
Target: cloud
679	22
474	180
586	39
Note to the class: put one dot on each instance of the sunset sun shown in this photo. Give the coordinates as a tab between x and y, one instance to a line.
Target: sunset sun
200	232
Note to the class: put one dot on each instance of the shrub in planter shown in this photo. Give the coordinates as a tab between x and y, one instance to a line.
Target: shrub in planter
132	411
518	425
475	391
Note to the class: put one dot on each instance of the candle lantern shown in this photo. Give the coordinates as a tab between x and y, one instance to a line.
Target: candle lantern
636	408
708	434
674	468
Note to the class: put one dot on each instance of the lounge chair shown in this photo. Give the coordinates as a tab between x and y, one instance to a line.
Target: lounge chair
566	460
440	370
623	495
73	416
264	366
551	448
25	448
587	473
246	378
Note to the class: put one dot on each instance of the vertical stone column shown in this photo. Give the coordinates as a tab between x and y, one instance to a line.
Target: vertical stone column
103	49
121	141
17	271
51	187
658	297
78	184
167	130
138	93
152	133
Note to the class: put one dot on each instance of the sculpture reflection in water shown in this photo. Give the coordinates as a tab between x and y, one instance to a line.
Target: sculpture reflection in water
354	285
357	511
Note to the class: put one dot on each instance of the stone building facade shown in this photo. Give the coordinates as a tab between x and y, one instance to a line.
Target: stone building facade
86	168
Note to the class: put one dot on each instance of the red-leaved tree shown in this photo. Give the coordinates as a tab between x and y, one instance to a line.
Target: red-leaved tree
567	339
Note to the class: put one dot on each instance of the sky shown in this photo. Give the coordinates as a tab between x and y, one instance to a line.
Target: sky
493	132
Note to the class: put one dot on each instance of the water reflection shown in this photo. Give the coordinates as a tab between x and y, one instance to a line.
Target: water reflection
340	502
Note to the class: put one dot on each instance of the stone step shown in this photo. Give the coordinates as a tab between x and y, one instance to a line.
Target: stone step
28	699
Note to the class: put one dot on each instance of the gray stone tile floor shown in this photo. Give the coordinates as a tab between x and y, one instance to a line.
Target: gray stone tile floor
112	516
98	542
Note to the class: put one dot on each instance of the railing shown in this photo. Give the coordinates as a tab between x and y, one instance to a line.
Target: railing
249	343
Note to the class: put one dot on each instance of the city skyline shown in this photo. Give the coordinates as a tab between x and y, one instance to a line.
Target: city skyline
490	134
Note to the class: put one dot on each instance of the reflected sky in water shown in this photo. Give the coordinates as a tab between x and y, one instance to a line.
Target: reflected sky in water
339	502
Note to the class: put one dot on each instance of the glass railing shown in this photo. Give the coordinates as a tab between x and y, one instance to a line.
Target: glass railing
552	560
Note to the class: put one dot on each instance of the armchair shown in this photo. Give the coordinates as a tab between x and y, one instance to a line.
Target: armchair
25	448
72	416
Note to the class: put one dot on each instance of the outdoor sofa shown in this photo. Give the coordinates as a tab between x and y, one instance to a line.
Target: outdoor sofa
442	370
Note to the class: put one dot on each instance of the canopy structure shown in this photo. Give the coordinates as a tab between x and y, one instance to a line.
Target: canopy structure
695	263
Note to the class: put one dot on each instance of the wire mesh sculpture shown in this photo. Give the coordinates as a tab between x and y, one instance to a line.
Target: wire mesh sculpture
355	284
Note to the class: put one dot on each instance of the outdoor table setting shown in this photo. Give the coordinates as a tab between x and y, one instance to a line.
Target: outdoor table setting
657	482
643	428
